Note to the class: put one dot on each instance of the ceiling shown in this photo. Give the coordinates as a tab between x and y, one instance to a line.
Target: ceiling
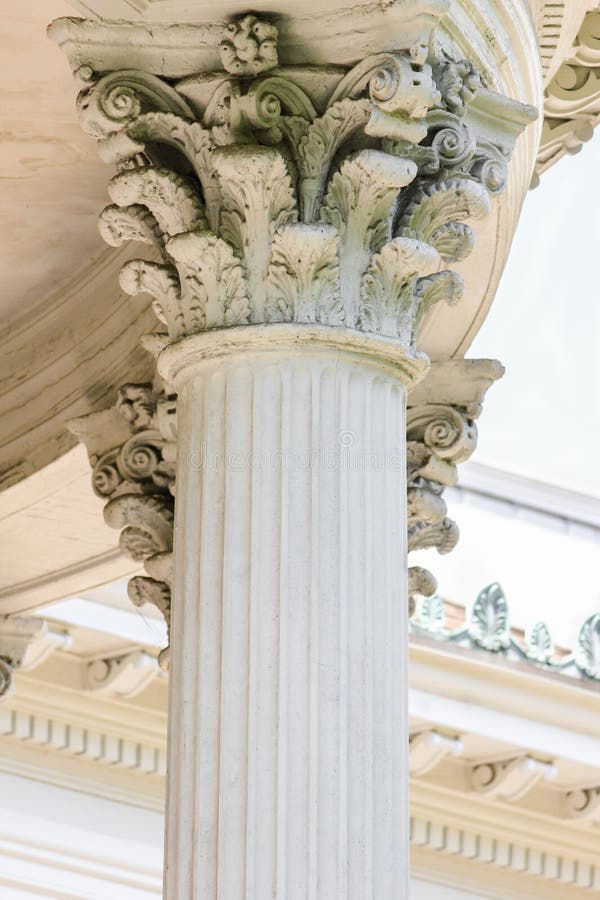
52	181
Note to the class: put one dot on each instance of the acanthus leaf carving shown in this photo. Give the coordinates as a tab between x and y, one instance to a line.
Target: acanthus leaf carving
257	200
389	297
161	282
214	291
421	583
195	142
172	199
318	145
303	281
147	523
131	223
360	203
141	590
437	214
431	616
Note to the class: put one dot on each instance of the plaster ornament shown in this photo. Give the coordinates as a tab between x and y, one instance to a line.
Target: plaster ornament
510	779
25	643
583	803
124	676
427	750
458	82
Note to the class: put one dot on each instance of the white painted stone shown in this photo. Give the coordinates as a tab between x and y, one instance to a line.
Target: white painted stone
288	755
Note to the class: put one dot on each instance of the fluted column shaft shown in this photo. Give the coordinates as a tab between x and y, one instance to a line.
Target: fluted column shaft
288	730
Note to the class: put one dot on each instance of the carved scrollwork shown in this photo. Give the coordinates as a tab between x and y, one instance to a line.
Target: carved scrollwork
445	430
119	97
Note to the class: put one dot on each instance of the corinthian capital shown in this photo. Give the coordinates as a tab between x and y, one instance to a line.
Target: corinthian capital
268	192
132	452
441	433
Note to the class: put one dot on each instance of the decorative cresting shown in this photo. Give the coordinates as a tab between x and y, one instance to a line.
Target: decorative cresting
488	628
24	644
132	452
440	433
269	193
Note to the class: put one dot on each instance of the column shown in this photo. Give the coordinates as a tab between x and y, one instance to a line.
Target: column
302	221
288	753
